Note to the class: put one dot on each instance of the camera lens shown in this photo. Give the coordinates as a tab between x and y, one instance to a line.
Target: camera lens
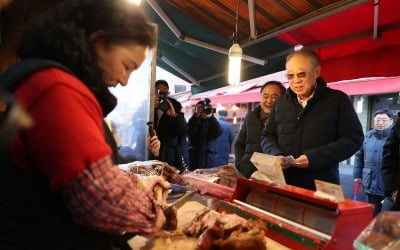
163	104
207	110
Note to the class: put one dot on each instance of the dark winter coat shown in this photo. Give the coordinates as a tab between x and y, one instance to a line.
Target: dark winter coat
224	143
368	161
248	142
172	132
391	163
202	136
327	131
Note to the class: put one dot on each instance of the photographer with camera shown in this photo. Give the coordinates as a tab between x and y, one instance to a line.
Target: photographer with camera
170	126
204	128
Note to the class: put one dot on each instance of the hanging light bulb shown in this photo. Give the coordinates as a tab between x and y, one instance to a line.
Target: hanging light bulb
137	2
235	61
235	56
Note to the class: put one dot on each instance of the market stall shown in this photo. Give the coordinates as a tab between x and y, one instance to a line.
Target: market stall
289	217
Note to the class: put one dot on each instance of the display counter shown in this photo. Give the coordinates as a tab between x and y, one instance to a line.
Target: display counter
296	218
293	217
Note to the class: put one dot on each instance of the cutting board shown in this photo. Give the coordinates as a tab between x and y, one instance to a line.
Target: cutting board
185	215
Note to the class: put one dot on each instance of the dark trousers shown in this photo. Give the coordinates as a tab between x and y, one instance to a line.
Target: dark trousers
376	200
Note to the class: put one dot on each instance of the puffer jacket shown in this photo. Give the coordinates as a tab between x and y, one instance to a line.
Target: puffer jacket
327	131
368	161
248	142
172	133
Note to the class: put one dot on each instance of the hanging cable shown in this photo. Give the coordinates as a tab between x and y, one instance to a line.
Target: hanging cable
237	16
235	54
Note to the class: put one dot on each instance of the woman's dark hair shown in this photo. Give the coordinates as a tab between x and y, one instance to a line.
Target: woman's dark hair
63	35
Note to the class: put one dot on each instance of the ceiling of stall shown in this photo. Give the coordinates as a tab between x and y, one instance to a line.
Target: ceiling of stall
195	36
355	38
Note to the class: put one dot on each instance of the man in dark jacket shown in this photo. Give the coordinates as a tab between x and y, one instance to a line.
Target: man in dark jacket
368	160
249	137
391	166
203	130
171	127
315	124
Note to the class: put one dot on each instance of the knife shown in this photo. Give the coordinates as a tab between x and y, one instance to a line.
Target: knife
179	202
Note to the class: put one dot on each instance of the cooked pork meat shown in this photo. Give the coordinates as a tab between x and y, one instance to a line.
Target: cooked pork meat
226	231
170	173
231	221
211	234
251	240
204	219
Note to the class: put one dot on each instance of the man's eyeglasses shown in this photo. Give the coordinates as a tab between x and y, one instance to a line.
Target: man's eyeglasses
299	75
382	120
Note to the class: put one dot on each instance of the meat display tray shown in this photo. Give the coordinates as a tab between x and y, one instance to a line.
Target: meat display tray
207	187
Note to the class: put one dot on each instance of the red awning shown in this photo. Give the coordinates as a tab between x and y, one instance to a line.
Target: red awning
247	91
346	45
251	95
366	86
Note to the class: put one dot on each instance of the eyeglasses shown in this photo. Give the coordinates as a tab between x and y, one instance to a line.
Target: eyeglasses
299	75
382	120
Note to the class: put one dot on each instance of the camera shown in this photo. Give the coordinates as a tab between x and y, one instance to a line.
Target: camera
150	128
205	105
163	105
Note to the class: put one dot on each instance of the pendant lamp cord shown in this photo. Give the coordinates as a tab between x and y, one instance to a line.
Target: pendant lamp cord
236	22
237	15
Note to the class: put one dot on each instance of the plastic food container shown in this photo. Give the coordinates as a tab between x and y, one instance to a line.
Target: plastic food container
383	233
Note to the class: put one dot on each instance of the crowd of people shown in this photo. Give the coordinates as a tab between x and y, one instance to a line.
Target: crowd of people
62	178
312	123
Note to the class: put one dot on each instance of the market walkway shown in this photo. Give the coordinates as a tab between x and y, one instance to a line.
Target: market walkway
347	183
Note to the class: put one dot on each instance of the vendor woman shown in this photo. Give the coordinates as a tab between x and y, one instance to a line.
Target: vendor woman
60	189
